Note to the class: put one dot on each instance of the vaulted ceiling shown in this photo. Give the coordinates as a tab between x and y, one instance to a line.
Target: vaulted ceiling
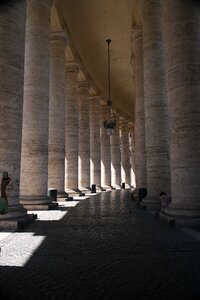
88	24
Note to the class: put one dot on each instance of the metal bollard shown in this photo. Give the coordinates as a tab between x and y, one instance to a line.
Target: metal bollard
52	193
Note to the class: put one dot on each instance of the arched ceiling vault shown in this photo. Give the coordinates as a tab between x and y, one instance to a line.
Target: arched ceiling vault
88	24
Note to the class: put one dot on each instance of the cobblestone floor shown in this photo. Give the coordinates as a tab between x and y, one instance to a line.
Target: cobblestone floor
103	248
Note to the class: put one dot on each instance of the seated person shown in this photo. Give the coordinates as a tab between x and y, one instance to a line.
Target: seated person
165	200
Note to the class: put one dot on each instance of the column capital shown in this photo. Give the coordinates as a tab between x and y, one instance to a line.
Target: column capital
131	129
94	98
132	61
59	36
72	67
137	32
84	87
103	109
123	123
54	2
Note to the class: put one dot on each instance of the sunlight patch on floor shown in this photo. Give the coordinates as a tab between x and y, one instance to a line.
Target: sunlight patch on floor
49	215
27	244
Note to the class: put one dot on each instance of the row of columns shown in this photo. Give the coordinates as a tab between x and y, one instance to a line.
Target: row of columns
167	107
52	133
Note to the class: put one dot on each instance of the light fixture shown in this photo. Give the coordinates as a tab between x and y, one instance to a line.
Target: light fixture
110	123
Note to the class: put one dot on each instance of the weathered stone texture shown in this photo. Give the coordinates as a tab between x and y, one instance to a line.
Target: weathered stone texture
115	156
156	114
12	34
34	168
140	150
84	136
182	44
105	150
125	155
71	127
56	157
132	154
95	150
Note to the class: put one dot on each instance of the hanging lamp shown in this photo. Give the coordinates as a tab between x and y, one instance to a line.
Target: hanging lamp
110	123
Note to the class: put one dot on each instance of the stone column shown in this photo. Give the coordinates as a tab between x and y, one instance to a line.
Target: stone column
105	150
12	33
125	153
56	159
156	114
34	165
84	136
140	149
71	128
132	154
95	150
182	41
115	156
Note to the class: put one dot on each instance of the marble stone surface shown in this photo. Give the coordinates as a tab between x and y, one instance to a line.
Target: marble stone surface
12	33
84	136
95	150
155	100
182	41
140	150
34	164
57	94
71	127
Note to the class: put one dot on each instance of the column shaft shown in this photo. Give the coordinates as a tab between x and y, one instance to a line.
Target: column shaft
105	150
140	148
95	150
156	114
34	167
115	156
71	128
12	33
84	136
125	155
56	159
132	150
182	41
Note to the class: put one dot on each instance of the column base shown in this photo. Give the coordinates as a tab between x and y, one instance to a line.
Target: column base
125	185
73	192
105	188
151	202
140	193
180	221
62	194
17	224
14	212
38	202
187	215
85	189
16	218
98	190
116	186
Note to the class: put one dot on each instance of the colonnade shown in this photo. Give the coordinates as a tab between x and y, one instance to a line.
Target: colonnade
167	107
52	133
51	123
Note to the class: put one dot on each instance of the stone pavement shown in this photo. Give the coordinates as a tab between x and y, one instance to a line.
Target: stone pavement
100	248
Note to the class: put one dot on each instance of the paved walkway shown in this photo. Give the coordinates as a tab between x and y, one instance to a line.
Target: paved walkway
100	248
